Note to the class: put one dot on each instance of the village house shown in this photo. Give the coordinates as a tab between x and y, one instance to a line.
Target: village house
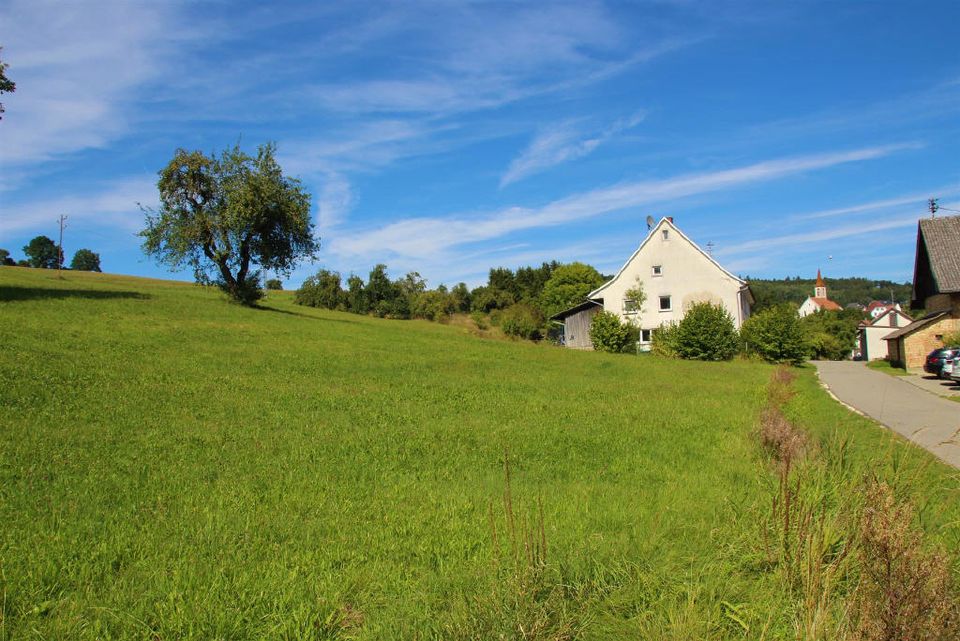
870	333
674	274
818	301
936	288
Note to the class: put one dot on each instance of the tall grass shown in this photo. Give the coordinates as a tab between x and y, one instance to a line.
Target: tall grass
173	466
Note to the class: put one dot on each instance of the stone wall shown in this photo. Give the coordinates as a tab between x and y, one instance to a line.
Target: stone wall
920	343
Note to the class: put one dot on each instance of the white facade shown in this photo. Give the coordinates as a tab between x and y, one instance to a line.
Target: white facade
872	345
675	274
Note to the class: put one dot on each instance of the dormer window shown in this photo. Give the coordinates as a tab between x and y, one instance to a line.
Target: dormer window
657	270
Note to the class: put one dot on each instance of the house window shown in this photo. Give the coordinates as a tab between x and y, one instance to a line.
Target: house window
665	304
644	335
893	320
630	306
657	270
666	234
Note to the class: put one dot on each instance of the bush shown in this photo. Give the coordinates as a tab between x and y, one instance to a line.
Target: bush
321	290
433	305
274	284
831	334
706	333
951	339
522	321
775	335
480	320
608	334
662	340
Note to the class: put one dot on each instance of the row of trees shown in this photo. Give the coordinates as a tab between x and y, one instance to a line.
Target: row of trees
520	301
43	253
775	334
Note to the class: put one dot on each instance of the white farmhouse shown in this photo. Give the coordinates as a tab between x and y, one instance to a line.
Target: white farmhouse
674	273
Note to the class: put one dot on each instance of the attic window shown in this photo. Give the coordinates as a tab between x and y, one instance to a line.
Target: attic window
893	320
665	304
666	234
657	270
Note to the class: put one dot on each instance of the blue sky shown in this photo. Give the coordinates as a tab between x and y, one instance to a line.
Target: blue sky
452	137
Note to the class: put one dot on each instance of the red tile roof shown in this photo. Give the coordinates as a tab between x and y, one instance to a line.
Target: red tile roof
825	303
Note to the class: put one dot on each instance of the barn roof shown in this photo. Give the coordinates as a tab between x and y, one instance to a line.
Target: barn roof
576	309
914	326
937	266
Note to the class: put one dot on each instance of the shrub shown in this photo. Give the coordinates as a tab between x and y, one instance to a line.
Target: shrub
434	305
775	335
522	321
905	591
706	333
480	320
831	334
662	340
321	290
608	334
274	284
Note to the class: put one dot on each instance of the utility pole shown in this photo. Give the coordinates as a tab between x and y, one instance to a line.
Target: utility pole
63	223
932	203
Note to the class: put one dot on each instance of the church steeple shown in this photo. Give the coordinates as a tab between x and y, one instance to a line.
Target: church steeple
820	290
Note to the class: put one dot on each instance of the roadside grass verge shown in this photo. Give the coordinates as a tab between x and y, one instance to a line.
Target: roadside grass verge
887	368
174	466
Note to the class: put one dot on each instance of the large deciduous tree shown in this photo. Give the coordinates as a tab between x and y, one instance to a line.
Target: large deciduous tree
222	216
43	252
568	286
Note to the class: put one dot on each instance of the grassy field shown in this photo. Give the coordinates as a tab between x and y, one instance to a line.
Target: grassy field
173	466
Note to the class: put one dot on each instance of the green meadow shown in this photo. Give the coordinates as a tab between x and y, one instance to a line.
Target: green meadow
175	466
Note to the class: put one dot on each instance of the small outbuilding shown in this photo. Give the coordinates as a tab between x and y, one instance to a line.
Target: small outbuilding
871	333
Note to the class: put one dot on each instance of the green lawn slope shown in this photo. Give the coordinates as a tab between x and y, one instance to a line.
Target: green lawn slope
174	466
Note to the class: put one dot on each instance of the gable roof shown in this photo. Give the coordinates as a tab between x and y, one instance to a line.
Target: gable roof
936	269
914	326
667	222
576	309
888	312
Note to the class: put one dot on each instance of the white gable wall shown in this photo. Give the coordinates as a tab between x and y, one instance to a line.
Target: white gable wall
687	276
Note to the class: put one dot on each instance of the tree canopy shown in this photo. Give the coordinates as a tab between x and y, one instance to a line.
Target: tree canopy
42	252
223	215
85	260
567	286
6	85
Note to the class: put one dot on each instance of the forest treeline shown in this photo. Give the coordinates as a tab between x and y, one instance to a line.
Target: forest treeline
768	292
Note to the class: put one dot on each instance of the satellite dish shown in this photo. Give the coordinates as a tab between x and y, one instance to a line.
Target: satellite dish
649	222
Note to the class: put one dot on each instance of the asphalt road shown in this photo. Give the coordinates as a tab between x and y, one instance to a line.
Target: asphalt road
922	417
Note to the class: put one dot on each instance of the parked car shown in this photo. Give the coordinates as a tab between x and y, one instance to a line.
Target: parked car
955	374
935	359
949	364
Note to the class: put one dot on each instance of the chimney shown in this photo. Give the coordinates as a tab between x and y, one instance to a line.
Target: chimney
670	218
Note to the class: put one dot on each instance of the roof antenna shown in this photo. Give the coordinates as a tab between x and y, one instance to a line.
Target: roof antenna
649	223
933	207
710	248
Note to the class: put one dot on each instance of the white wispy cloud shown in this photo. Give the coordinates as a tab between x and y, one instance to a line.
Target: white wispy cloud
423	237
886	203
113	208
562	143
76	65
336	198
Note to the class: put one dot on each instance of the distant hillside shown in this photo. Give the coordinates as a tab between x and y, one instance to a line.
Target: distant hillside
842	290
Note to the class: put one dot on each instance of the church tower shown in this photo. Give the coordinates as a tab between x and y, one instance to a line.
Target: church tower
820	291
